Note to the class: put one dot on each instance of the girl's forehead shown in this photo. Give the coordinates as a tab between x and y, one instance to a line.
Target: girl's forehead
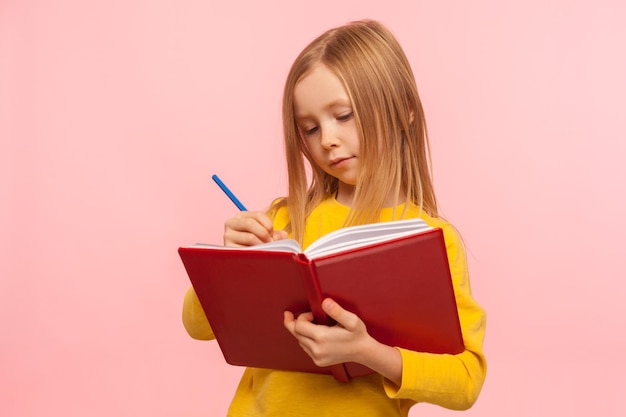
320	89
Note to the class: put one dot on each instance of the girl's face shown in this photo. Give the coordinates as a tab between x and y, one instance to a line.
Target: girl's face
326	122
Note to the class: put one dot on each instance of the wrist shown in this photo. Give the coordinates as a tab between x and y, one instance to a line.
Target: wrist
383	359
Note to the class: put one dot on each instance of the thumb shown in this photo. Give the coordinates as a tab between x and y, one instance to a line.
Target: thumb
342	316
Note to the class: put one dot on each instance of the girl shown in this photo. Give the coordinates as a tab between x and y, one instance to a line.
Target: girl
352	110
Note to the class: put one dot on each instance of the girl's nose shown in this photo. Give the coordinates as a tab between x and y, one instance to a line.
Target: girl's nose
329	139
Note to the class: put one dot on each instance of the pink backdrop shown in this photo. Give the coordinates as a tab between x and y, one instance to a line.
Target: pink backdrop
114	114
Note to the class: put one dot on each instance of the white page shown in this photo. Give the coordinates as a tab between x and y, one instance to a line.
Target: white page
284	245
341	239
362	235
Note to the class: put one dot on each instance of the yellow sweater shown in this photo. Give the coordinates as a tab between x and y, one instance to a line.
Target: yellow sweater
451	381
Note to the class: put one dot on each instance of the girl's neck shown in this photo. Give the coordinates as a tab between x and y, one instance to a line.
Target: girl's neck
345	194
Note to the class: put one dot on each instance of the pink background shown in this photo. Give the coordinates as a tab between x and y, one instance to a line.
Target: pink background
114	114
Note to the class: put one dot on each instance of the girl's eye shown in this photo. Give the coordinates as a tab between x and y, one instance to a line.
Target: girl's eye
310	130
345	117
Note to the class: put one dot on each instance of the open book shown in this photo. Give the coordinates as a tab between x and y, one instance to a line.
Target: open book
394	275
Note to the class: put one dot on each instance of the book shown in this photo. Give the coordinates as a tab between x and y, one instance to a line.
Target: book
394	275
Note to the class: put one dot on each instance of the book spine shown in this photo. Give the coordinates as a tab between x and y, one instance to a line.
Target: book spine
312	288
308	277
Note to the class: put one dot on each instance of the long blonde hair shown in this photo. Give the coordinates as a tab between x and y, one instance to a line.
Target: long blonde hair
394	152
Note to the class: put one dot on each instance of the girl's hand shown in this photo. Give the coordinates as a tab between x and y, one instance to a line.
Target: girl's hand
347	341
249	228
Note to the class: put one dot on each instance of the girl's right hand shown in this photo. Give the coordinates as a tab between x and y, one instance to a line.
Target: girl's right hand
249	228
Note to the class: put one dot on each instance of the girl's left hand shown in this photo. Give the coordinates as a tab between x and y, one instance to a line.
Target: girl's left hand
329	345
347	341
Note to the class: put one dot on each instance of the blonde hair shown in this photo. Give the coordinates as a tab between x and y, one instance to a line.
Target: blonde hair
394	152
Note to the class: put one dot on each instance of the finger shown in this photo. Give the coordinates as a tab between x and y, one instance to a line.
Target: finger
304	327
295	326
289	322
255	223
262	218
247	229
343	317
306	317
238	239
279	235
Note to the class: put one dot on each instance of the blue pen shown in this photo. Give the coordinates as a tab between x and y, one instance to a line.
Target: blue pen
229	193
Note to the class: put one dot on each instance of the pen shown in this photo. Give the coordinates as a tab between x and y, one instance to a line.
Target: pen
229	193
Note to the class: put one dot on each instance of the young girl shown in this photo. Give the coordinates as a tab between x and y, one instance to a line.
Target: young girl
352	110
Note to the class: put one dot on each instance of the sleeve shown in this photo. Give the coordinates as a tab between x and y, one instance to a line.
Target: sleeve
194	319
279	215
450	381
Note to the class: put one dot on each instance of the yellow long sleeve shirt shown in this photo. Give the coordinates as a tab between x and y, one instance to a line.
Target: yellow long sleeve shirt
451	381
